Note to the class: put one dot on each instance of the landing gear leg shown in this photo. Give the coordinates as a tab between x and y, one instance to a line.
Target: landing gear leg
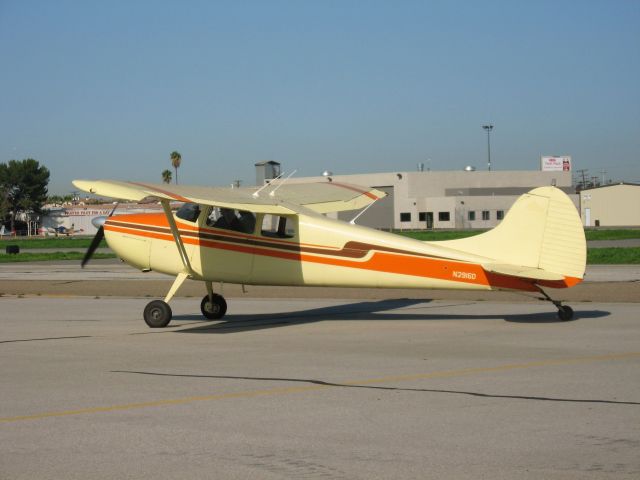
213	306
565	312
157	314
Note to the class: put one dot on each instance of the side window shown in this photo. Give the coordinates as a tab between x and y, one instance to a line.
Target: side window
189	212
277	226
230	219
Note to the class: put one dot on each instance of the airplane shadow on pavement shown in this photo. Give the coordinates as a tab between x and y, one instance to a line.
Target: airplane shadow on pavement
369	311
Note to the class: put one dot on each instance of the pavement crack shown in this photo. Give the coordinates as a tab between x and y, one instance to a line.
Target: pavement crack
43	339
356	385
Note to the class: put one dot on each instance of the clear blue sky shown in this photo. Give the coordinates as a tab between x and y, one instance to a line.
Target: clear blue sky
108	89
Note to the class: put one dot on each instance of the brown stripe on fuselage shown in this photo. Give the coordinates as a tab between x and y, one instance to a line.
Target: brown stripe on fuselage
350	249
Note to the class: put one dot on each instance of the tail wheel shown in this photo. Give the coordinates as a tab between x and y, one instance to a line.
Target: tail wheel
565	312
157	314
215	308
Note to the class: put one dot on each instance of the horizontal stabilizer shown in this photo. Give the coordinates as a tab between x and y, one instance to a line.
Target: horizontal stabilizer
523	272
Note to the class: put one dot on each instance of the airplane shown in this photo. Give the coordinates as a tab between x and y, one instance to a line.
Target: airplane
62	230
278	234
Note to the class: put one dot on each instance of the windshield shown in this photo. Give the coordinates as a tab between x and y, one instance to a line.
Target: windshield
189	212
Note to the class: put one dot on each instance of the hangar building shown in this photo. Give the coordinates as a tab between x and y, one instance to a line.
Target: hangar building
445	199
611	205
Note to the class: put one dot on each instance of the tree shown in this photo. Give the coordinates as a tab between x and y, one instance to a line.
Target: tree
23	186
166	176
176	160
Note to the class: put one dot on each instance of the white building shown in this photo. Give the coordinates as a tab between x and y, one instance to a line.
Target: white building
78	217
445	199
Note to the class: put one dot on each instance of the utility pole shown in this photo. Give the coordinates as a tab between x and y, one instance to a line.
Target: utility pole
583	174
488	128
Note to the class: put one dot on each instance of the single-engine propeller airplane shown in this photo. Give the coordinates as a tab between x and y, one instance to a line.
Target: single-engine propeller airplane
277	235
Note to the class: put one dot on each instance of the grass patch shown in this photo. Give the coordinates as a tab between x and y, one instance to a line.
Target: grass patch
49	257
611	234
49	242
435	235
613	256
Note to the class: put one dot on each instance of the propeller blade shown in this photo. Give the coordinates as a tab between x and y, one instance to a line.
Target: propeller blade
98	222
92	248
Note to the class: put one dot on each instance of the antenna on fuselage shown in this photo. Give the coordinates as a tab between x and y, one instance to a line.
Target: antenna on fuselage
272	192
256	194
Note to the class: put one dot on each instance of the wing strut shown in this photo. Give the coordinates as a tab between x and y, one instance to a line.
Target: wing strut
176	236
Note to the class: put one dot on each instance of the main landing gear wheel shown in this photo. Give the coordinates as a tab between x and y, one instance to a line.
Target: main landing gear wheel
565	313
157	314
215	308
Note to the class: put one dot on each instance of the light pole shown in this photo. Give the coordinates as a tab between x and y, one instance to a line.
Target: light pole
488	128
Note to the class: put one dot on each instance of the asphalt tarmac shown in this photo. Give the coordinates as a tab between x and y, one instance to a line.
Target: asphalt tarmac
105	278
318	388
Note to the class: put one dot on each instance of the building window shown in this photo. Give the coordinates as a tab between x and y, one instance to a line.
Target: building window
405	216
500	214
443	216
485	214
422	216
472	215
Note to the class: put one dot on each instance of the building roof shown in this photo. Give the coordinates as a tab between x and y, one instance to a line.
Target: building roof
612	185
267	162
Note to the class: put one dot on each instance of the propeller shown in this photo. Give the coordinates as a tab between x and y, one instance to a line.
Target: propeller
99	223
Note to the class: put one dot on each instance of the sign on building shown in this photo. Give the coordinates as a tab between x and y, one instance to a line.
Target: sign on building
555	164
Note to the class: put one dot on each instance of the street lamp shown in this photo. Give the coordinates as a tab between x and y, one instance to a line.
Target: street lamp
488	128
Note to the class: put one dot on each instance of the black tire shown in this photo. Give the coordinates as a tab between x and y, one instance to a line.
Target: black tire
157	314
215	309
565	313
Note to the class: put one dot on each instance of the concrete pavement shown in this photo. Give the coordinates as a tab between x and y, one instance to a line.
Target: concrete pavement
301	388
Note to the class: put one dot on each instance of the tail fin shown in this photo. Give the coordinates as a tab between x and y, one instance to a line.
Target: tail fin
541	232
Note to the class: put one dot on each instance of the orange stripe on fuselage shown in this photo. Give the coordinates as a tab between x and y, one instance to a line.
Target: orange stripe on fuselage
386	262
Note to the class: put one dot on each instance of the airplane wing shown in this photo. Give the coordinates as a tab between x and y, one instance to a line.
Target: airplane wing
324	197
321	197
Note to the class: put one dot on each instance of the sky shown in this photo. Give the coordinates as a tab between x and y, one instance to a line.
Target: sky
110	89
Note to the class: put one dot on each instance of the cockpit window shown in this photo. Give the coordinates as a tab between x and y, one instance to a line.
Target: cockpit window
278	226
230	219
189	212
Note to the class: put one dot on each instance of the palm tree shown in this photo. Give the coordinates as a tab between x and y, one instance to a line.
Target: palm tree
176	160
166	176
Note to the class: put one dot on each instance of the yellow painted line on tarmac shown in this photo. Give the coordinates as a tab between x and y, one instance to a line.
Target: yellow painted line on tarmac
315	387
